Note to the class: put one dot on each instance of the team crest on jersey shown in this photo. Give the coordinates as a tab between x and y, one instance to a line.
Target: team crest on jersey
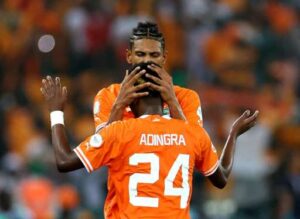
166	111
96	141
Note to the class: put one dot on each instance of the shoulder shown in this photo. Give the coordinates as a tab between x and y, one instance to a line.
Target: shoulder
113	128
123	124
185	92
111	89
193	132
123	129
196	129
179	124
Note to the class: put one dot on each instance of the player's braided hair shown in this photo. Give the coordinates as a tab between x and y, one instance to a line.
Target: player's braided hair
147	30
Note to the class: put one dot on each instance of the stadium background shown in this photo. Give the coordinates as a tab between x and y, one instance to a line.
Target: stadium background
236	54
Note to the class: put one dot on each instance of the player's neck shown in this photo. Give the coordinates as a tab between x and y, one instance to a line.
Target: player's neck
148	106
152	110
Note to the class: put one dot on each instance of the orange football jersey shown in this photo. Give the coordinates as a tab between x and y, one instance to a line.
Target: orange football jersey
150	161
104	100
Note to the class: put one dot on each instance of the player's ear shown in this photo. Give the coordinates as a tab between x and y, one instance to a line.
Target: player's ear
129	56
165	54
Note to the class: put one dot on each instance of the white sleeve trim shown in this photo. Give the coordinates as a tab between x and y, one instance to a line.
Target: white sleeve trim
86	163
99	127
212	170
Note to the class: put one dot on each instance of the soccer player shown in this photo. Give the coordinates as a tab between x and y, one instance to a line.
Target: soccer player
146	44
150	158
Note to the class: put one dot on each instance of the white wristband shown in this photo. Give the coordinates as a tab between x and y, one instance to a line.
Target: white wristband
56	117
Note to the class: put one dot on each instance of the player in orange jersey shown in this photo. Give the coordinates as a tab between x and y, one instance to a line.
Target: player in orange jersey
146	45
150	158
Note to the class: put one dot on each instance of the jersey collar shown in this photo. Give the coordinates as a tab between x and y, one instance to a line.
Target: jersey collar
144	116
147	115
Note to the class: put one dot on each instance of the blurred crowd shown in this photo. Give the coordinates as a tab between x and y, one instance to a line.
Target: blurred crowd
236	54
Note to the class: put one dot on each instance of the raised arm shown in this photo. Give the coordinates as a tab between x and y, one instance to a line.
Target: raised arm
240	126
55	96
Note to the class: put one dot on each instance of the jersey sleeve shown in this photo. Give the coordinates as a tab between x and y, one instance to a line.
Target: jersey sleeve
100	149
207	160
103	103
191	107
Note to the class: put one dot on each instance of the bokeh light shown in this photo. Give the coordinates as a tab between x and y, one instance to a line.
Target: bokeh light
46	43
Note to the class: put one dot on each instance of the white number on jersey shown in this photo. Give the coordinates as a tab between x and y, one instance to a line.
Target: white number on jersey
151	177
181	162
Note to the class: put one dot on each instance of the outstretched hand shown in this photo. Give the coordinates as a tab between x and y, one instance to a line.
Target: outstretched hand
244	122
55	95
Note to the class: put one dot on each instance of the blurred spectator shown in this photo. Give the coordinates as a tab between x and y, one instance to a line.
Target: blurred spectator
251	191
36	195
68	200
289	189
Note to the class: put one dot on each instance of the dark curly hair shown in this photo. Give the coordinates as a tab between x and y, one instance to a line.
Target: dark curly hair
147	30
144	79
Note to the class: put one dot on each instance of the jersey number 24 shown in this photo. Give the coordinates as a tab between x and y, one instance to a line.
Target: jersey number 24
182	161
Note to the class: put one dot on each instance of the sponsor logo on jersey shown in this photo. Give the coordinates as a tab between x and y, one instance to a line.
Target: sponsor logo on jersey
162	140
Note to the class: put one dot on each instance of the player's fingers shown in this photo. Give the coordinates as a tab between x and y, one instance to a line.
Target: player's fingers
160	71
58	90
45	85
155	87
51	86
253	117
126	75
141	86
134	78
246	113
154	67
256	113
57	82
64	92
244	116
50	81
242	119
142	94
153	78
129	76
43	91
133	72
